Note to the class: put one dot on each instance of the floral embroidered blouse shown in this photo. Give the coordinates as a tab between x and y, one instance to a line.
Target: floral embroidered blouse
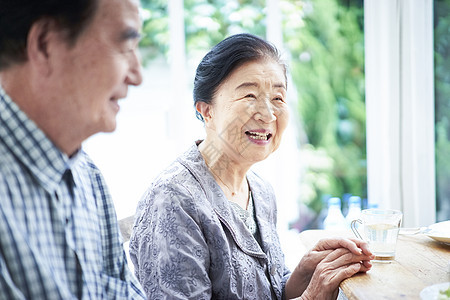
247	216
188	242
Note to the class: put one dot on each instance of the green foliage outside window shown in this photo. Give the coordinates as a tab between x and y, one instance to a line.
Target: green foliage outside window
442	96
327	67
325	42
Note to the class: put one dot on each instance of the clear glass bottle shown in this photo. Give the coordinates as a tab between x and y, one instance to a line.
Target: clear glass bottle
334	219
354	209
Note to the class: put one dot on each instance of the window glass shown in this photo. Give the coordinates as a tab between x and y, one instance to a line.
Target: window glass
442	105
327	66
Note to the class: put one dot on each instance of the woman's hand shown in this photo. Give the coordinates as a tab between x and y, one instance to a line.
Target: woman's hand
340	264
326	246
301	276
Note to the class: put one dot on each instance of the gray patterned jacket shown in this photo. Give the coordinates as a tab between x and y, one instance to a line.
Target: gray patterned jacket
188	244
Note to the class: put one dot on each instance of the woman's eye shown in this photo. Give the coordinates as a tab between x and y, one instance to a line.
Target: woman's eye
278	99
250	96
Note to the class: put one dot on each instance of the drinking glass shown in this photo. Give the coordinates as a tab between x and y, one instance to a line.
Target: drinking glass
380	231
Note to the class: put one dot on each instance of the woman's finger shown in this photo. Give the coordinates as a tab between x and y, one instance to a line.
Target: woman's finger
343	256
364	246
354	245
367	264
345	272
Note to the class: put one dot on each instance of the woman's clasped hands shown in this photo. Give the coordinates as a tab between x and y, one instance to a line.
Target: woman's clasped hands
325	266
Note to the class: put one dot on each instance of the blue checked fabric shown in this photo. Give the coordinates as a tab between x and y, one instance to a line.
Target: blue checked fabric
59	236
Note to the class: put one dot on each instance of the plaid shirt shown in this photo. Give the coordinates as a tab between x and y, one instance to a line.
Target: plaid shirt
59	236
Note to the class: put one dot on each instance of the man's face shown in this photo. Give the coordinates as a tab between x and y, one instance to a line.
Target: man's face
95	73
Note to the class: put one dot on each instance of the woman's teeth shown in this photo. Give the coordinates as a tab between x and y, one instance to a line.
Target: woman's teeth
259	135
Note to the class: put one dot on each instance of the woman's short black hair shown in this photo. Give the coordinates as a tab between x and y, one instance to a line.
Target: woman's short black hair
17	17
225	57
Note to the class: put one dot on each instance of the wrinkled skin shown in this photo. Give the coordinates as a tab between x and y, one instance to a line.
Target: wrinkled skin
323	268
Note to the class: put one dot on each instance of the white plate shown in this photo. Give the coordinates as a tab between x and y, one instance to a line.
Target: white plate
432	292
440	232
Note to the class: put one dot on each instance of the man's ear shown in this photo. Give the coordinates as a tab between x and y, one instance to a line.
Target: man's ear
205	109
42	34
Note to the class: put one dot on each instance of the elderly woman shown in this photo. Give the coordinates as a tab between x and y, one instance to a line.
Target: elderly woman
206	226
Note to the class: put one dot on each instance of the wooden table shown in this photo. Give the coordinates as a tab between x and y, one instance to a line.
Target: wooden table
419	262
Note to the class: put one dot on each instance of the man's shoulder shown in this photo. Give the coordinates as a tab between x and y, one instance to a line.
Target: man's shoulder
86	167
85	161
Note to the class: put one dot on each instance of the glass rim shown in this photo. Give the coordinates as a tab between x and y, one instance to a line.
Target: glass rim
381	211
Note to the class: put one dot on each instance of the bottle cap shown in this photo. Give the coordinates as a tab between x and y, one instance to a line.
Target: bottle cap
334	201
355	200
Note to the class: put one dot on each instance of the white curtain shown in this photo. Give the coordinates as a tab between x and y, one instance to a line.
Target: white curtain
400	107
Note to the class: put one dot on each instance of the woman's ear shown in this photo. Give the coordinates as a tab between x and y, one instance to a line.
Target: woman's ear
205	109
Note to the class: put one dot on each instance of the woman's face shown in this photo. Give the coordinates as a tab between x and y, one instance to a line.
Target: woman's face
249	112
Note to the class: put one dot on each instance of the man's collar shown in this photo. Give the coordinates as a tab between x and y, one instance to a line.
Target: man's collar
30	145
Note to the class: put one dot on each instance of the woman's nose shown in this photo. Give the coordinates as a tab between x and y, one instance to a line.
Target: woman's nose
265	112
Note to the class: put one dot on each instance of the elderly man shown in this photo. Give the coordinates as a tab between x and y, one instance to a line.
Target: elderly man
63	67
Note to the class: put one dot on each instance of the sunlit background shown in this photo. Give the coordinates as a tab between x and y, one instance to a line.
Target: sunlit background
323	152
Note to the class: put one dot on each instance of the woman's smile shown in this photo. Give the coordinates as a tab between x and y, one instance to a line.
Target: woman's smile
259	136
